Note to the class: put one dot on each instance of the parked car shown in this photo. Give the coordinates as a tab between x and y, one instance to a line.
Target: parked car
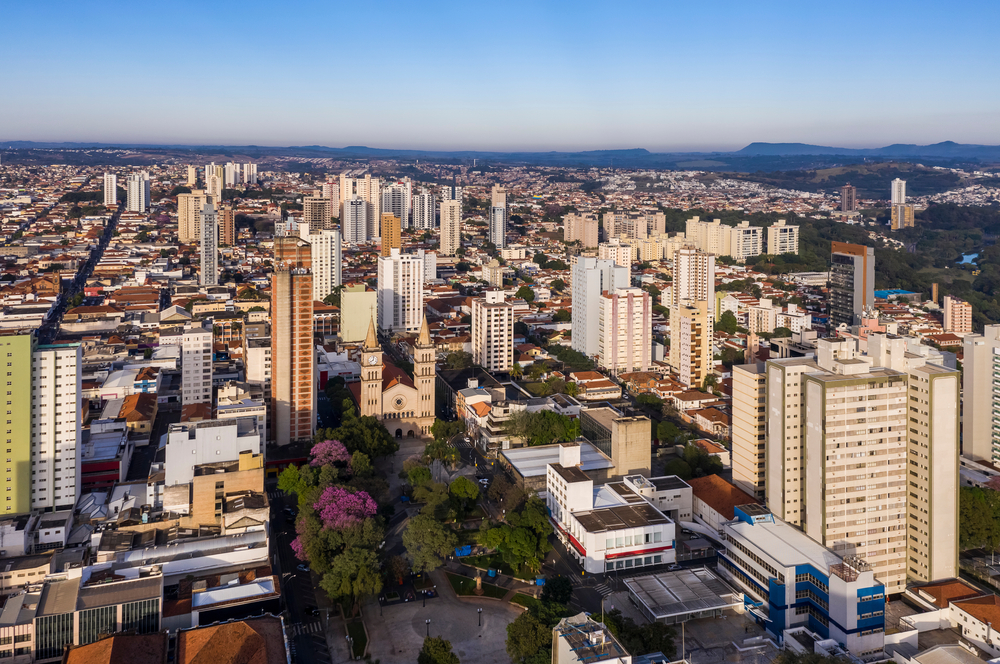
311	611
303	567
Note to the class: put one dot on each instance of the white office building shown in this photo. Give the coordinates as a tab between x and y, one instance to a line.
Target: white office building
423	210
493	331
401	291
138	192
111	189
191	444
591	277
354	222
326	262
209	246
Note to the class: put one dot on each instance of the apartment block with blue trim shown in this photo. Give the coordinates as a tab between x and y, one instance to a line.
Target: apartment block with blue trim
790	580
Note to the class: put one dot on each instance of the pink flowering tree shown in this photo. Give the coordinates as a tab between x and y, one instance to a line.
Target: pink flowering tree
328	453
338	508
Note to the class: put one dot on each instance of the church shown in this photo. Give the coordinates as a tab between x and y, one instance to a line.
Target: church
404	405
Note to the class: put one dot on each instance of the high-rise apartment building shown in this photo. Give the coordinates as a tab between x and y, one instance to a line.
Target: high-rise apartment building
227	226
901	216
981	395
744	241
782	238
292	251
331	192
369	189
317	212
111	190
615	250
401	291
189	207
192	176
209	249
852	281
591	277
293	395
498	216
196	364
848	198
692	312
231	175
624	342
214	185
451	227
396	199
450	192
250	173
423	209
898	194
392	235
957	315
583	228
44	445
325	253
739	242
354	220
493	331
749	428
138	192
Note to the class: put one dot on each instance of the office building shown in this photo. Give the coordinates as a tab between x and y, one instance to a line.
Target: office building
209	249
354	221
401	291
782	238
325	256
957	315
189	207
803	583
617	251
591	277
624	325
852	281
192	176
193	444
898	194
293	395
498	216
749	428
317	212
423	210
981	395
396	199
392	236
451	227
901	216
848	198
227	226
111	190
138	192
493	331
692	313
196	364
583	228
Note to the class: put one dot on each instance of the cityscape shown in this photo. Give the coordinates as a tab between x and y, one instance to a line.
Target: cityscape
318	364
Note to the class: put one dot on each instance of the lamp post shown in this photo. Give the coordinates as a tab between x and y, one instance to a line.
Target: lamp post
480	617
424	593
350	646
428	623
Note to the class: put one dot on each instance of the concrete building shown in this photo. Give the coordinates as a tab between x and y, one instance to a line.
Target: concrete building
493	331
392	233
293	392
981	395
331	192
209	249
624	341
325	256
852	281
192	444
957	315
498	217
848	198
795	581
401	291
423	209
614	250
396	201
138	192
110	189
691	342
713	237
591	277
227	226
192	176
451	227
189	207
582	640
625	440
369	189
317	212
901	216
358	305
750	428
583	228
354	220
196	364
744	241
782	238
898	193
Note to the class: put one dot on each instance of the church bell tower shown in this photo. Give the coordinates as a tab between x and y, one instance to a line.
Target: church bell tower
424	373
371	374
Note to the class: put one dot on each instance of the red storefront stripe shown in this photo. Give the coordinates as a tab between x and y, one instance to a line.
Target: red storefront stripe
641	552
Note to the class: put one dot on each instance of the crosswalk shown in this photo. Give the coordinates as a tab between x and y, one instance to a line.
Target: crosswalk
313	627
604	589
275	494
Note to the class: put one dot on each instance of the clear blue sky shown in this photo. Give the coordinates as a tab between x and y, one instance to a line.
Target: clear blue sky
542	75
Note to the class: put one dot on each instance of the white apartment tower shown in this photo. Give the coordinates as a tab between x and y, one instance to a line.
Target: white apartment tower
692	297
981	395
498	217
750	428
615	250
110	189
354	222
316	212
591	277
401	291
189	207
451	227
56	444
250	173
782	238
493	331
369	190
326	262
624	330
192	176
209	246
232	174
196	365
138	192
423	210
898	194
396	199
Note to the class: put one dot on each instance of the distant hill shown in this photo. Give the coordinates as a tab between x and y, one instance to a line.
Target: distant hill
944	150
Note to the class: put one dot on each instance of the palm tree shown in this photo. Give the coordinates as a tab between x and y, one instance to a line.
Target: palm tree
516	372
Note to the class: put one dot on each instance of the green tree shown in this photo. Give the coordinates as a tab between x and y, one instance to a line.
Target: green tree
443	431
562	316
354	574
436	651
464	493
781	333
427	541
419	476
557	590
526	294
678	467
557	285
458	359
727	323
667	432
526	636
652	637
543	427
516	372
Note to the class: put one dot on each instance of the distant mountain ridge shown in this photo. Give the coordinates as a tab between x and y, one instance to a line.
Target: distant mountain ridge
943	150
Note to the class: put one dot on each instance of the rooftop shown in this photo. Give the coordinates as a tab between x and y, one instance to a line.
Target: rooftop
719	494
634	515
683	592
784	543
532	461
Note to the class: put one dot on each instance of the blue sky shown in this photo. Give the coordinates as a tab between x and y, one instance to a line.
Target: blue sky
545	75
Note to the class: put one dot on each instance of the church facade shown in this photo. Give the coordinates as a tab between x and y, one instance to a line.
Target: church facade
404	405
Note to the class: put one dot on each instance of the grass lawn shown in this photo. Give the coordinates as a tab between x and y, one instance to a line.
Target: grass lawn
495	561
529	602
357	633
466	586
423	582
537	389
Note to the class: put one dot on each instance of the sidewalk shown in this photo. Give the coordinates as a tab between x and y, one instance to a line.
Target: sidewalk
512	584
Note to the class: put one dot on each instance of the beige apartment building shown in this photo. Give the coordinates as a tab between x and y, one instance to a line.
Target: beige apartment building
782	238
317	211
738	242
583	228
189	208
392	233
691	332
493	331
750	428
624	330
451	227
957	315
622	254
